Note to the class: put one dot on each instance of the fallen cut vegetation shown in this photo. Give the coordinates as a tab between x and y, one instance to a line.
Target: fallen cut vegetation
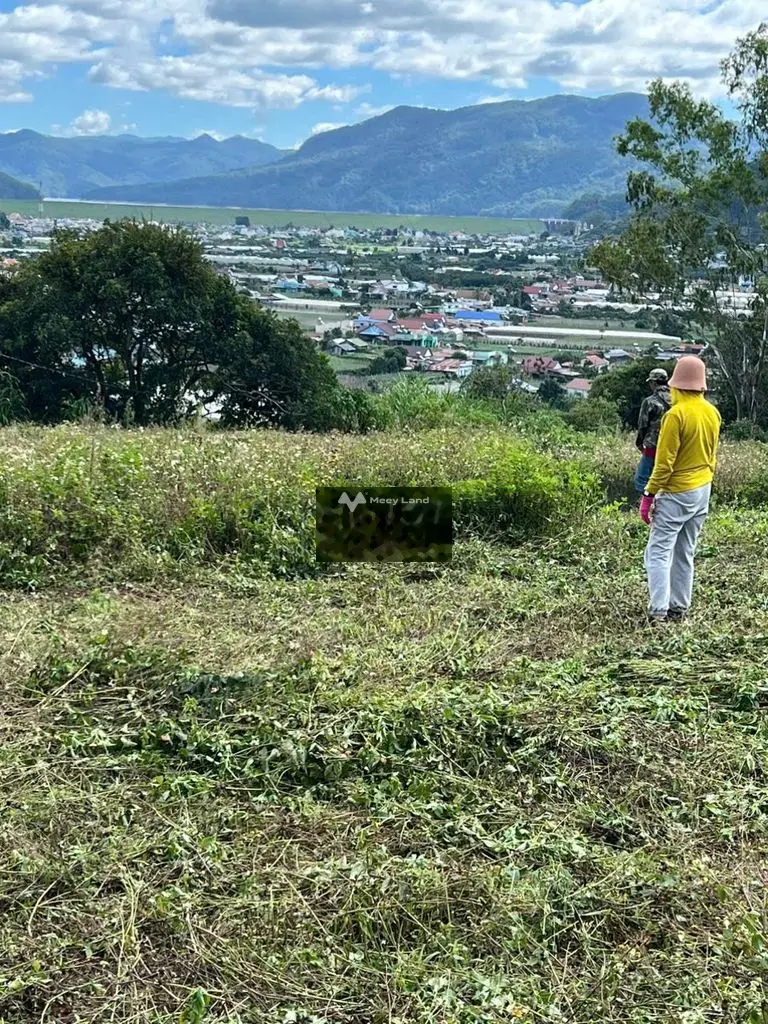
475	792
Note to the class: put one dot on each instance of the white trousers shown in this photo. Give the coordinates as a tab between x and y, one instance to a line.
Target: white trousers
675	529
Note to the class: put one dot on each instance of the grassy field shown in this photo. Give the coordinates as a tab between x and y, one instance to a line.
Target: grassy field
585	322
248	790
273	218
349	364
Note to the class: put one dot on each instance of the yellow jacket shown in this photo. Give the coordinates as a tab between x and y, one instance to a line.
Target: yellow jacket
687	450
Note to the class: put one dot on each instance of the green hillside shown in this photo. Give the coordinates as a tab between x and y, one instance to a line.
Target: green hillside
515	159
12	188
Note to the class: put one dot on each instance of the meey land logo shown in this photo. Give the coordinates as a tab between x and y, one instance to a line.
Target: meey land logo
384	524
352	505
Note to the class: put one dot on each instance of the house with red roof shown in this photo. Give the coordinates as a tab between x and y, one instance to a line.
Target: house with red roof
579	387
538	366
594	361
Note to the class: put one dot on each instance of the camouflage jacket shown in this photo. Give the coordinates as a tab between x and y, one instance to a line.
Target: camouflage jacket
649	421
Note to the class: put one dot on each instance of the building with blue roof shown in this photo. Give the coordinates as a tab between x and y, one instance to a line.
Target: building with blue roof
482	316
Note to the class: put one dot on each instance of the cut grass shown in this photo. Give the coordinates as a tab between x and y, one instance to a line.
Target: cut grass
478	792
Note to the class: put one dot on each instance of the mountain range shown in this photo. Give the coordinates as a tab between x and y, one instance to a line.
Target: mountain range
72	167
522	158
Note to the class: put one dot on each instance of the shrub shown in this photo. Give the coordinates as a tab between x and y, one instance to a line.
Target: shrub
744	430
525	494
594	416
147	503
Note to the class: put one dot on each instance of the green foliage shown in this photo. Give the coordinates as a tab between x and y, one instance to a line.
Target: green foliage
491	382
699	216
160	503
597	208
270	373
553	393
464	794
524	495
627	386
594	415
130	314
744	430
158	500
11	399
671	325
134	321
392	360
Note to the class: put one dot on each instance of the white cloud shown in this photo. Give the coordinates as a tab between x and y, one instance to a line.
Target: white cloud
91	122
265	54
214	78
367	110
326	126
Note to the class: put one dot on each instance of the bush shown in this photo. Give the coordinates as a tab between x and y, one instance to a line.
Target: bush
744	430
525	495
142	505
594	416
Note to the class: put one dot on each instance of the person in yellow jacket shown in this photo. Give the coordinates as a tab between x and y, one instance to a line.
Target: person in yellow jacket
676	500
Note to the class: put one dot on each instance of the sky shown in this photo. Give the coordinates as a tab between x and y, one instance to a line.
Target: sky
282	70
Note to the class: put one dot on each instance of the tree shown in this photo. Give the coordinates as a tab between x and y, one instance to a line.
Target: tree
699	223
5	224
133	320
625	387
553	393
391	361
269	373
135	305
495	382
671	325
594	415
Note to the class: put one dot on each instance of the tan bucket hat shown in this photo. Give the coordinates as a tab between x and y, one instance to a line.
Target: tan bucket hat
690	374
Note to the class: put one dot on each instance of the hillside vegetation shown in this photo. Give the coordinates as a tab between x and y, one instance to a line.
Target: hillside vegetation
239	786
501	159
12	188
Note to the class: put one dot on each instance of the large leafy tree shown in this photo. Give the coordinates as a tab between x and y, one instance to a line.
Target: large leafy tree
698	230
269	373
135	306
134	320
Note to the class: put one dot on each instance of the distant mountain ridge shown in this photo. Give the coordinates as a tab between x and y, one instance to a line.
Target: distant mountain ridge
518	158
12	188
72	167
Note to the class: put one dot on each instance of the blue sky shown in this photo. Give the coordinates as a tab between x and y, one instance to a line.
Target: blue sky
283	69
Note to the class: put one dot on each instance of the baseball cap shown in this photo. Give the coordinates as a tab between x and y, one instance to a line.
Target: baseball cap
658	376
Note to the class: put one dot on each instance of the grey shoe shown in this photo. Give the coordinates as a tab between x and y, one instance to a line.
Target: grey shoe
657	620
677	614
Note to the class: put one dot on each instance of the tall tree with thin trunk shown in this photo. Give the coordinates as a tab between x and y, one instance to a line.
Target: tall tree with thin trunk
698	233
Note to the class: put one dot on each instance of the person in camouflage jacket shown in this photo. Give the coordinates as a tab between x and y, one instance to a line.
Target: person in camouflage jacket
649	425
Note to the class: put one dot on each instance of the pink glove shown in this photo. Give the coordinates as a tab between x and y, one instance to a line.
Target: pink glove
646	507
